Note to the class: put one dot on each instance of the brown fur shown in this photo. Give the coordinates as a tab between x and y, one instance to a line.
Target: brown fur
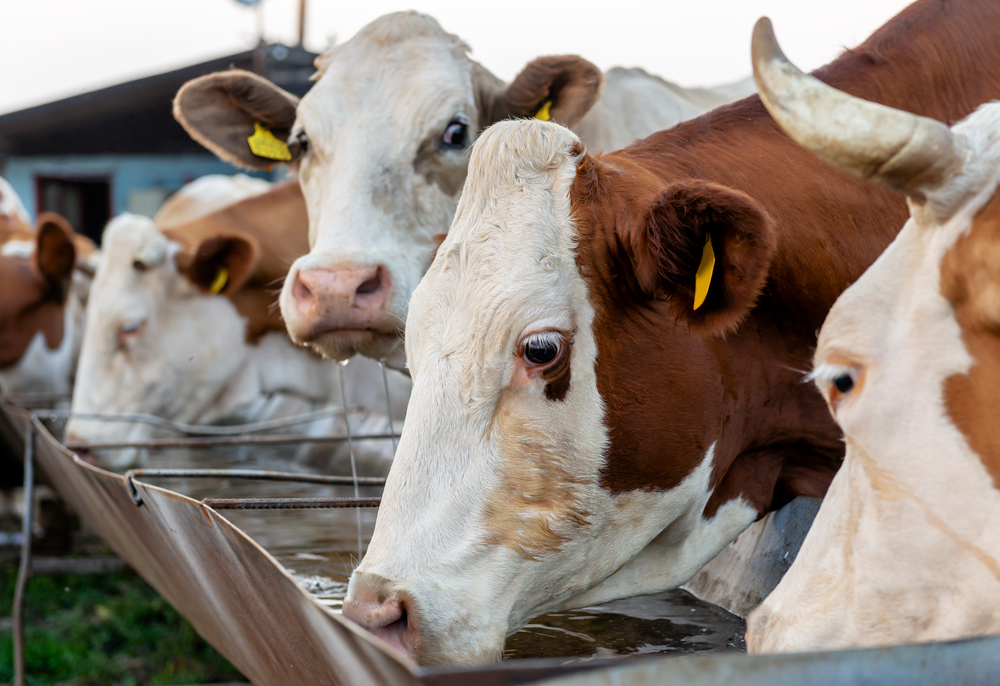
970	280
34	290
572	84
538	507
219	110
671	383
272	230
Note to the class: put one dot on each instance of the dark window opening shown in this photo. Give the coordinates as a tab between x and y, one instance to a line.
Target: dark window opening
85	202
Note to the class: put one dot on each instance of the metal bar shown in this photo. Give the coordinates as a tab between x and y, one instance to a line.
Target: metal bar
260	475
77	565
287	503
220	442
24	571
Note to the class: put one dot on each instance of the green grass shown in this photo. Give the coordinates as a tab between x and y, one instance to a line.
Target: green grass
90	630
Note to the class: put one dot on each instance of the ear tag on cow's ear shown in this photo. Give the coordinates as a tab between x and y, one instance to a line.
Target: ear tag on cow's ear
264	144
543	114
703	278
221	279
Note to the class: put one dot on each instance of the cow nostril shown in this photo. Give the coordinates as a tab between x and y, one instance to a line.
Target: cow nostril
371	285
301	293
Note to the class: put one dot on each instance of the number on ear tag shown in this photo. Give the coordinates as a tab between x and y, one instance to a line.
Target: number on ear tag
703	278
264	144
221	279
543	113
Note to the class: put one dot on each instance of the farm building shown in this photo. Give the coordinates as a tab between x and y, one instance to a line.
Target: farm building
118	149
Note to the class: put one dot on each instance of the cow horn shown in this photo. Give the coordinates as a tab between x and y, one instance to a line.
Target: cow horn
898	150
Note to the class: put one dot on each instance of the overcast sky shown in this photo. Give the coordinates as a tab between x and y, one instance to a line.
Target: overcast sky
56	48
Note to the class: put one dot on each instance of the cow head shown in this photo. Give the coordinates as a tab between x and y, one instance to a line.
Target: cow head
904	548
36	350
571	422
163	336
382	145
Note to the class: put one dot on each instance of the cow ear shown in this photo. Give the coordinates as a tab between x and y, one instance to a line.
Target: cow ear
562	88
54	251
221	264
705	249
224	110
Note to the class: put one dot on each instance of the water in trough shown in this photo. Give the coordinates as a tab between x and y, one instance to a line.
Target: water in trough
319	548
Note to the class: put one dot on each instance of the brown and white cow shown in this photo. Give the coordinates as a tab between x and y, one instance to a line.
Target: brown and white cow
581	427
182	325
42	298
906	546
382	144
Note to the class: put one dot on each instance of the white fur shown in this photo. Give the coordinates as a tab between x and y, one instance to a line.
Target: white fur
391	89
10	203
192	363
455	493
906	546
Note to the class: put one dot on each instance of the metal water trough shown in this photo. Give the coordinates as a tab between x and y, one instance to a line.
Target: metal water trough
243	602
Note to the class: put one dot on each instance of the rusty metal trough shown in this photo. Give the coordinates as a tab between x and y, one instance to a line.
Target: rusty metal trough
243	602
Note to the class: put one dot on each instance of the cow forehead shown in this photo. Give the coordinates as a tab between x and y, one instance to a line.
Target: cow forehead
506	259
403	77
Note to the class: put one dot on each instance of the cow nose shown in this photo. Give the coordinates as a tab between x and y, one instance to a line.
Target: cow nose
321	292
386	617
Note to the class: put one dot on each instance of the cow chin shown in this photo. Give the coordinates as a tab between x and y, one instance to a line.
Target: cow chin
342	344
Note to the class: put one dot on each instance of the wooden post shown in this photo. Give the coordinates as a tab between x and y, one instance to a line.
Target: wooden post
302	23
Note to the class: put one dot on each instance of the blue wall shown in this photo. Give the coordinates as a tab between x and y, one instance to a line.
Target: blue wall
127	172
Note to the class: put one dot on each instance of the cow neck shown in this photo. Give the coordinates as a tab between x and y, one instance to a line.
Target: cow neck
29	309
774	436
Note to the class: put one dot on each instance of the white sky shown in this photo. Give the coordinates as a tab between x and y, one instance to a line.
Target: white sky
57	48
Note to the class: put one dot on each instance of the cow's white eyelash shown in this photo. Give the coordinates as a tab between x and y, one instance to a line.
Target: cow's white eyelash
826	373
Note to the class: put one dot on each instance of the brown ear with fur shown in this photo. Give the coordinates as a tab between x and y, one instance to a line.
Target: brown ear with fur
221	264
219	111
666	248
570	83
54	252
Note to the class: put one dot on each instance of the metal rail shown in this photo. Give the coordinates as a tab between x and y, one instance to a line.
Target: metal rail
288	503
282	439
261	475
24	570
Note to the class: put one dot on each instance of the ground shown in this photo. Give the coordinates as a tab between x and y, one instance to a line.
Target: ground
90	630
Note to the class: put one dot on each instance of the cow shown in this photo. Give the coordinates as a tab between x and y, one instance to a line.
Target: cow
906	546
44	278
607	351
381	142
205	195
182	326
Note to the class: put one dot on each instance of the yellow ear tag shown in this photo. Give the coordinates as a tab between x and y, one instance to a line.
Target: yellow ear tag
543	113
264	144
220	281
703	278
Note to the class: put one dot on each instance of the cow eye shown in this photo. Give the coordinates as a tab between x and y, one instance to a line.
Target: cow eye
837	381
455	135
542	349
128	331
302	141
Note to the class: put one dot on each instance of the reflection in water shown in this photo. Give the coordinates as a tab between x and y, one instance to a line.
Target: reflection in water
319	548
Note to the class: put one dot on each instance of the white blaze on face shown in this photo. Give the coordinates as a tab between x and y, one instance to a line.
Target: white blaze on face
493	511
378	178
905	547
154	343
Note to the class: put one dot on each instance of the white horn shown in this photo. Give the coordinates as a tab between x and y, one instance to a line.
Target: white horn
899	150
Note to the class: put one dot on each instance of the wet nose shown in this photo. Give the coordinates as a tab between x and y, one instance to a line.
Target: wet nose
385	616
341	297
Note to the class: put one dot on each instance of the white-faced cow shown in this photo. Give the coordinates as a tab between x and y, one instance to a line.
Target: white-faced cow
607	350
381	142
906	546
44	278
182	325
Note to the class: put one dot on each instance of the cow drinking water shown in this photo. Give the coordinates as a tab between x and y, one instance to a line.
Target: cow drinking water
607	351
